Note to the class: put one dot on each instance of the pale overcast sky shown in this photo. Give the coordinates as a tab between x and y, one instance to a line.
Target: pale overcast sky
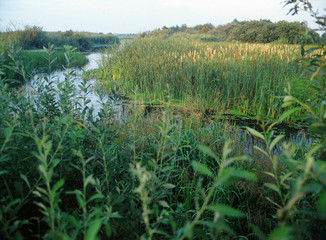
135	16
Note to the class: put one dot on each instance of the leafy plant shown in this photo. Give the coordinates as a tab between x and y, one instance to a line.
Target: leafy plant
304	180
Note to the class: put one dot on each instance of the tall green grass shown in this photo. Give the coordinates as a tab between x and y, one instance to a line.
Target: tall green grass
248	78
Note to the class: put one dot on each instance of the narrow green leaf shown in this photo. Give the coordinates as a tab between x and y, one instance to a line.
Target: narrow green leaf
228	229
274	142
321	204
80	201
93	230
168	168
3	172
164	204
56	162
58	185
4	158
285	177
227	211
255	133
207	150
258	232
280	233
188	230
7	132
95	196
41	205
287	113
226	149
168	185
42	190
108	230
262	151
143	237
156	231
312	187
201	168
269	136
225	178
273	187
38	194
233	159
73	221
287	104
94	214
269	174
276	204
89	180
13	203
42	169
25	179
244	174
288	98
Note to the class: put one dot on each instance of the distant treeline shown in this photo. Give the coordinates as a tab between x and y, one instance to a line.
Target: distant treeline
33	37
262	31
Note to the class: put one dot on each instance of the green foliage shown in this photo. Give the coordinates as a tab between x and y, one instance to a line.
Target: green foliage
36	60
314	60
82	41
303	182
299	184
20	66
33	37
262	31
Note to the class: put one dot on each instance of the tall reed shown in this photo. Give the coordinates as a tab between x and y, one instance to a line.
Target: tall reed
227	77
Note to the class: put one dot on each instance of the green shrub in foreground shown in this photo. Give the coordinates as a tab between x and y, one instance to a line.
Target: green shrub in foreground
20	66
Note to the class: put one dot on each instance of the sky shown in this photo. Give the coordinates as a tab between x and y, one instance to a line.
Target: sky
136	16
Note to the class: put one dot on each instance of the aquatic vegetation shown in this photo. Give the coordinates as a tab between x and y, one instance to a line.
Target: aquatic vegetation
220	77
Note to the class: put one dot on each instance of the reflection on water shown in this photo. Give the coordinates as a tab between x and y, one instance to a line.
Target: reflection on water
234	128
57	78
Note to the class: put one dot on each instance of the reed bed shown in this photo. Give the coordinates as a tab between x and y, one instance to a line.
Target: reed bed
241	78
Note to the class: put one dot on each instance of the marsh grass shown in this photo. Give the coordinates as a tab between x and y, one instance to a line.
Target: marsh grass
224	77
